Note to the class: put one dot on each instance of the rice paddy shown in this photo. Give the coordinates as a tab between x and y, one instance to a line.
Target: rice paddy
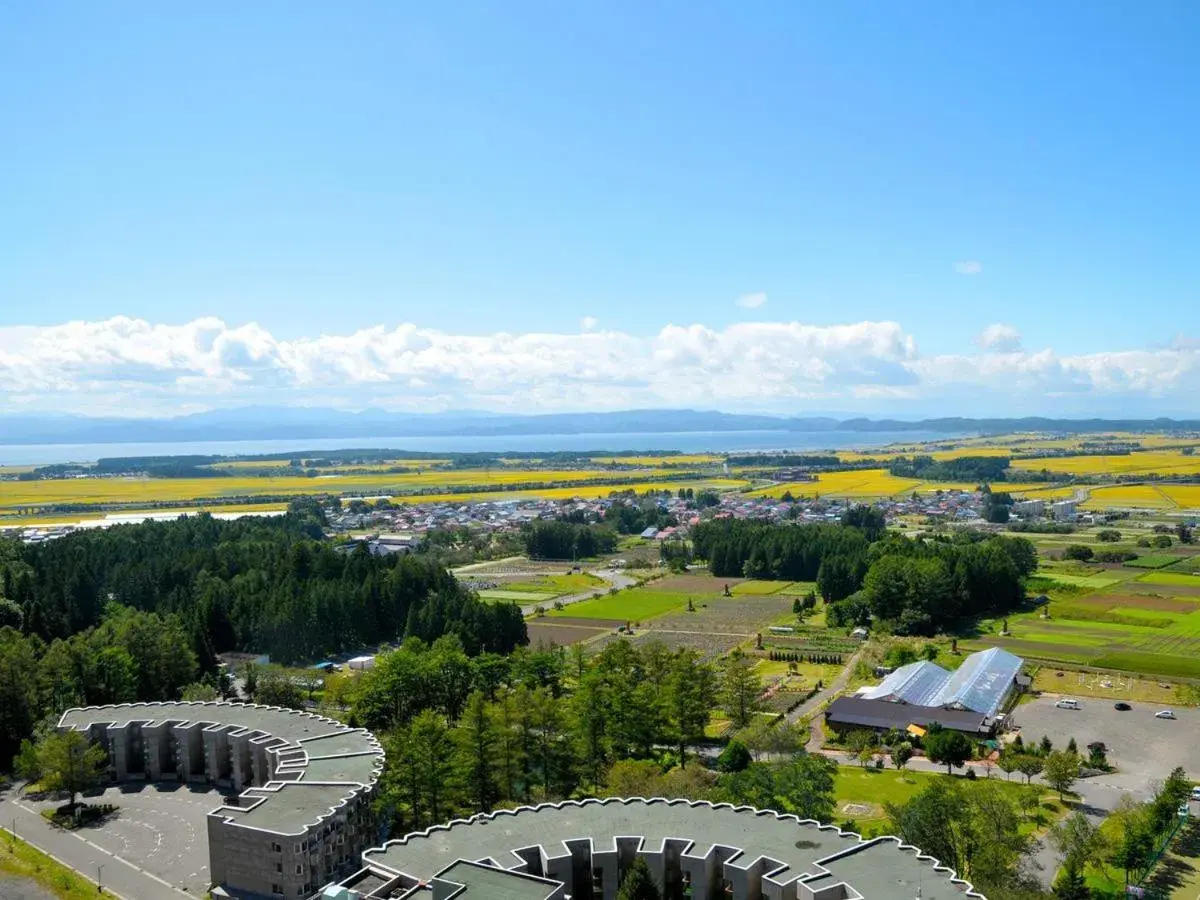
1145	462
26	498
1124	619
632	605
1145	496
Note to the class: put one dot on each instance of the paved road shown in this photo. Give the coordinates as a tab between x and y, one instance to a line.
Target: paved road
819	699
120	877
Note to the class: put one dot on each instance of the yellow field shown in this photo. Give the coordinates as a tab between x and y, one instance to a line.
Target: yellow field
859	483
1147	462
1143	495
879	483
584	492
1040	492
23	494
652	462
1186	496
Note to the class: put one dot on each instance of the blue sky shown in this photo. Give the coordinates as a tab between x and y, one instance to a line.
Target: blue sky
296	171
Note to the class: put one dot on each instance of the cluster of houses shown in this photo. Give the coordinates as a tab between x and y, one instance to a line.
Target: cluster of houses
398	527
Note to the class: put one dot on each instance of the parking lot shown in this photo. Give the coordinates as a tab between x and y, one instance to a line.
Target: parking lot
1142	747
160	828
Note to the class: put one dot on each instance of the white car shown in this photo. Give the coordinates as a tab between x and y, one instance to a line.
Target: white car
1164	714
1067	703
1196	793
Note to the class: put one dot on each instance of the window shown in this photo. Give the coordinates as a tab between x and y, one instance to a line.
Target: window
299	870
276	889
297	848
278	867
277	848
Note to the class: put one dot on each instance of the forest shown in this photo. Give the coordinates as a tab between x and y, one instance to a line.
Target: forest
835	556
977	469
567	540
920	586
908	586
269	585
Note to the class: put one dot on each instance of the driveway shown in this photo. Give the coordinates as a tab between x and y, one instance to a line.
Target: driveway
156	843
1144	749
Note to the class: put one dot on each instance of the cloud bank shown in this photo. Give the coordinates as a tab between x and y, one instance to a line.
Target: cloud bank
752	301
134	367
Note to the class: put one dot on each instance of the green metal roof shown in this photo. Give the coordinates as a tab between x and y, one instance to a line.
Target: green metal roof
323	763
488	883
803	851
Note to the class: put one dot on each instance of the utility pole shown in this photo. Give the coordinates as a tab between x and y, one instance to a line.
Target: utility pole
99	874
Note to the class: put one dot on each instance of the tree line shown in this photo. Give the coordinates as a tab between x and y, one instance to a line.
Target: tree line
834	556
468	734
545	539
268	585
921	585
977	469
129	656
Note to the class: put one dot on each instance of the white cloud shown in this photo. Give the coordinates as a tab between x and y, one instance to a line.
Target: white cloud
588	323
752	301
133	367
999	338
968	267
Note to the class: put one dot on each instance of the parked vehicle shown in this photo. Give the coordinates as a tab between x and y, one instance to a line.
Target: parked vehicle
1164	714
1122	706
1067	703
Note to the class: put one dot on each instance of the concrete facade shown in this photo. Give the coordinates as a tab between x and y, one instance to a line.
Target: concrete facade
696	849
304	785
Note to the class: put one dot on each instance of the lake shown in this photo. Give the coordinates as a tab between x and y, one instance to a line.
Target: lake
685	441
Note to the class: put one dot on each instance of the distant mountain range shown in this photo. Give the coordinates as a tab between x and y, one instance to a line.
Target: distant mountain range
290	423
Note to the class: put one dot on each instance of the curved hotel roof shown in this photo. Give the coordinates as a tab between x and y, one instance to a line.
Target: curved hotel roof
322	763
517	847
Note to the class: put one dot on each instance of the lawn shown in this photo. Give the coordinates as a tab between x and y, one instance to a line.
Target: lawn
861	793
1177	874
1109	687
19	859
634	605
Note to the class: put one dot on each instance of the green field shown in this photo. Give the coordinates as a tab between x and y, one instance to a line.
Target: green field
635	605
1094	582
759	587
517	596
1120	624
1177	579
1152	561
